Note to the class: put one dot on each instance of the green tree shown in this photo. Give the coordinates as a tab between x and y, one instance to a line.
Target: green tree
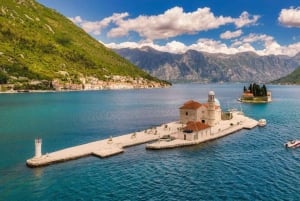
264	90
250	88
254	89
3	78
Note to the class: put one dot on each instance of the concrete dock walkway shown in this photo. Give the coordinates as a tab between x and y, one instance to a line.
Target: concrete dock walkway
116	145
106	147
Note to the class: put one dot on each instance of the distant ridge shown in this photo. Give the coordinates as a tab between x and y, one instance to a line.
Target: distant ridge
194	66
41	49
293	78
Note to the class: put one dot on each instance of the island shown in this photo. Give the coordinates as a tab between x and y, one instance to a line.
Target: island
255	94
198	123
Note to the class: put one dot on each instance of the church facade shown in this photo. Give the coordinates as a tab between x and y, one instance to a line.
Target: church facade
208	113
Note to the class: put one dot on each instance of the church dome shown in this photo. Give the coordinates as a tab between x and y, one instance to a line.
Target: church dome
211	93
217	102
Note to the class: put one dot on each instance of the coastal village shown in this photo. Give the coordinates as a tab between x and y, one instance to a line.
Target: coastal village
197	123
111	82
85	83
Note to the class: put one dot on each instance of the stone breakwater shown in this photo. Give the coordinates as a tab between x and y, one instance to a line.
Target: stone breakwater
115	145
104	148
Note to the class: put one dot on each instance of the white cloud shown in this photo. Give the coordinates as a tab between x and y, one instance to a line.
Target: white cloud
244	44
268	42
76	20
291	49
125	45
290	17
211	46
246	20
96	26
229	34
173	22
245	47
205	45
251	38
173	47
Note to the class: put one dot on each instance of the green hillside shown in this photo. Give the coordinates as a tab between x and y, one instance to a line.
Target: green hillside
37	43
293	78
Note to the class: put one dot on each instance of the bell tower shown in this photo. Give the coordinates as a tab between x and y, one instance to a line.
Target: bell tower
211	108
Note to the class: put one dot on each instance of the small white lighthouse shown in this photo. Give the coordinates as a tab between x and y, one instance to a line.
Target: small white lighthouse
38	147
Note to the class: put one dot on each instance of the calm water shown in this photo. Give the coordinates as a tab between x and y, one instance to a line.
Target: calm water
248	165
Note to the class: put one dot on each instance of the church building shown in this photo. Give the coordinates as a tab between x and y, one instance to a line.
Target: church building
208	113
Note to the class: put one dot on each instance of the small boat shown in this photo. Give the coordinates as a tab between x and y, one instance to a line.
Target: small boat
292	144
262	122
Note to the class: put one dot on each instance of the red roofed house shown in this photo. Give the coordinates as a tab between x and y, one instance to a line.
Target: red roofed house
190	111
195	130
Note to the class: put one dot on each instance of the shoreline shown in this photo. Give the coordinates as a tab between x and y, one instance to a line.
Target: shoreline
254	101
83	90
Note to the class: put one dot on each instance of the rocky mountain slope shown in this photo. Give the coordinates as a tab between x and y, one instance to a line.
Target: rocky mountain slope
41	49
292	78
206	67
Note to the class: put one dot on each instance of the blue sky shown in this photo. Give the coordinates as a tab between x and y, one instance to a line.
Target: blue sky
215	26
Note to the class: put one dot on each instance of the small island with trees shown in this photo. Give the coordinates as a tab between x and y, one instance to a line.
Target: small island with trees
256	94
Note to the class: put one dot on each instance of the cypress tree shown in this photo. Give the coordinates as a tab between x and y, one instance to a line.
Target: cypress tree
250	88
264	89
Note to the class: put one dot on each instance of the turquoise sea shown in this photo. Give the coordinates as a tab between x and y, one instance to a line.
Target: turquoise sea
248	165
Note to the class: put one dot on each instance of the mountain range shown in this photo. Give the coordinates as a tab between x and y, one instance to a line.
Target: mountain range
42	49
194	66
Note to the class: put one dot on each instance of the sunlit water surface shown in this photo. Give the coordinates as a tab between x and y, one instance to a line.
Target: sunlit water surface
248	165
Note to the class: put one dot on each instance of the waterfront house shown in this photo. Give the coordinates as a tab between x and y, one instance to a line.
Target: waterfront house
194	131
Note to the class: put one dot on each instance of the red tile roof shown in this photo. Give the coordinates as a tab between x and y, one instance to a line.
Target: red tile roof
246	94
191	105
195	126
